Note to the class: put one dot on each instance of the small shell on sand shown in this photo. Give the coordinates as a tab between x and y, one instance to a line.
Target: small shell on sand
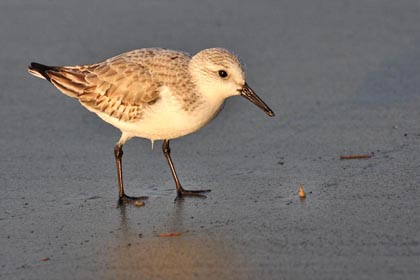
302	193
138	203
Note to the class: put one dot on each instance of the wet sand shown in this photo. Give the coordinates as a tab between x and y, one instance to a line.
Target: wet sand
342	78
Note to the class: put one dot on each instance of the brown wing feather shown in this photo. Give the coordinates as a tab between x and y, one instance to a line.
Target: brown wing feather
123	86
118	87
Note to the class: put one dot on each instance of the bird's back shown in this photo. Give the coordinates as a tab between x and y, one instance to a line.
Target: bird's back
124	85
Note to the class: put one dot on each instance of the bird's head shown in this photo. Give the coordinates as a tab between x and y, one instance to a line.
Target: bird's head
219	74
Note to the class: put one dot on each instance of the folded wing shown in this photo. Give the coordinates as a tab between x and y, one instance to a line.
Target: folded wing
119	87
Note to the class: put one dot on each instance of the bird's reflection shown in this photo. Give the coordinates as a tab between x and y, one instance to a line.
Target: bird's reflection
194	254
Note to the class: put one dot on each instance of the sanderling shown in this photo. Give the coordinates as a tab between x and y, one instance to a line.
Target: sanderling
157	94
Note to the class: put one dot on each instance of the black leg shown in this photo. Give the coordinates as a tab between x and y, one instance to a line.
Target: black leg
122	197
118	152
181	191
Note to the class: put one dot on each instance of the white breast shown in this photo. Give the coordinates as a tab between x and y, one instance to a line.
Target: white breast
166	119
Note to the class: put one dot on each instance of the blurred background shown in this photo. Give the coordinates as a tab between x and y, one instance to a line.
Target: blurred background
342	78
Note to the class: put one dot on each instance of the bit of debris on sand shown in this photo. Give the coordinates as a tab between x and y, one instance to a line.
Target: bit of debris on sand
302	193
170	234
139	203
355	157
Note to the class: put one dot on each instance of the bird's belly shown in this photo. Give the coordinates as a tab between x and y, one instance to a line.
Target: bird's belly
165	120
168	125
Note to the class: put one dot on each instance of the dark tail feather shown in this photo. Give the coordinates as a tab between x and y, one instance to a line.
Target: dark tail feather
40	70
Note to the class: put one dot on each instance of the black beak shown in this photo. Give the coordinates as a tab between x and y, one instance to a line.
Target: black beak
249	94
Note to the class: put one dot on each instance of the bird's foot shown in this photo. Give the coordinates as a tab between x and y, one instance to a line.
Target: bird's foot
125	199
195	193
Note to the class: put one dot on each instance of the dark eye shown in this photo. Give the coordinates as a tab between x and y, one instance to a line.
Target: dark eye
223	74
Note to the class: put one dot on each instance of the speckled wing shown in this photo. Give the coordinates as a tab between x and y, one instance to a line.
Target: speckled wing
121	87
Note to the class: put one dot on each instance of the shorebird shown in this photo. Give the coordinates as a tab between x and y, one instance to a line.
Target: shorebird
154	93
